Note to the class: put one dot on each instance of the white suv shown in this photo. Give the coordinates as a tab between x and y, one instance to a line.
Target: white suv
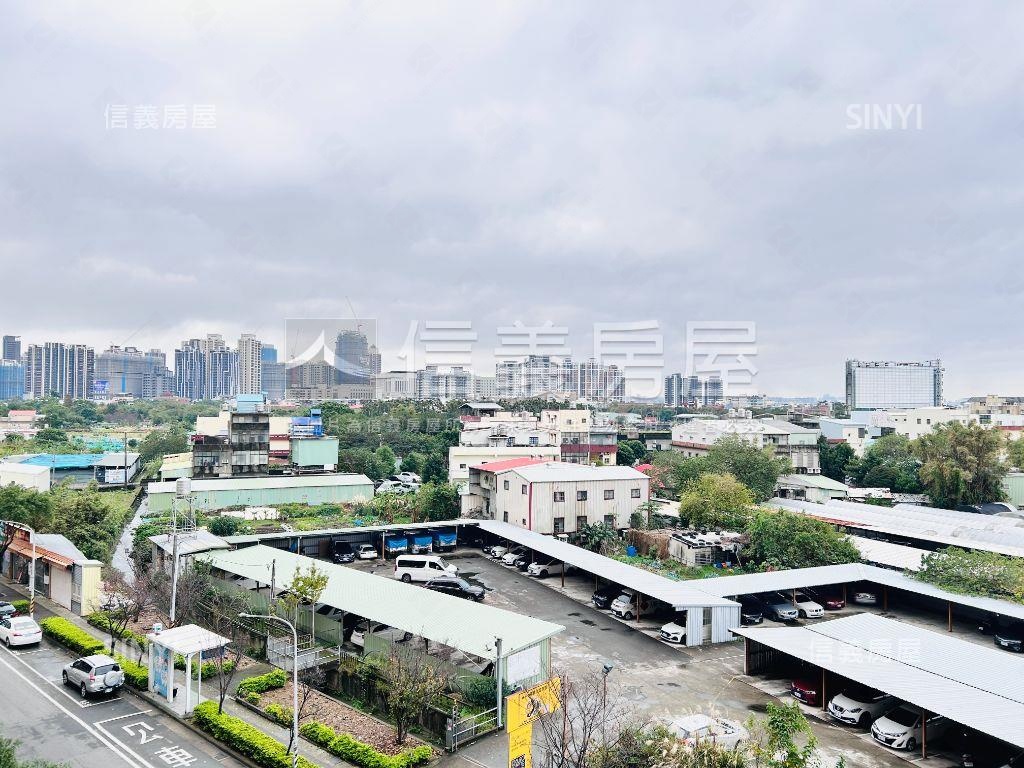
93	674
859	705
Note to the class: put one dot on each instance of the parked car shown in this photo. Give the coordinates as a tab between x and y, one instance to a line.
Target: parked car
674	633
625	606
93	674
423	568
497	551
807	690
806	607
457	588
366	552
6	609
1010	638
19	630
694	728
523	562
859	705
406	477
342	552
510	557
396	486
543	570
751	611
358	636
900	728
865	597
777	608
831	601
603	596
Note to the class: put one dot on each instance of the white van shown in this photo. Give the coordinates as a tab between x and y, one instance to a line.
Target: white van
423	568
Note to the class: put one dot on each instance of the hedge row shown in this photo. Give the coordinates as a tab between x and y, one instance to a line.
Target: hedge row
21	606
247	739
280	715
356	752
136	675
100	620
71	636
262	683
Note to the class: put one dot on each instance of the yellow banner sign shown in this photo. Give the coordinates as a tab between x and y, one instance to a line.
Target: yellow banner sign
526	706
520	747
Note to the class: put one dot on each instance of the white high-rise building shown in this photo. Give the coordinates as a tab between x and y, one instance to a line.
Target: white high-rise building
250	365
877	384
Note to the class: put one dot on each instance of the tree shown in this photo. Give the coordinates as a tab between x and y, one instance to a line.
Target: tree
389	506
631	452
589	719
960	464
160	442
84	517
887	463
22	505
9	757
224	525
776	738
412	462
385	460
1015	452
716	500
434	470
594	535
781	540
974	573
436	502
834	458
756	468
411	682
305	589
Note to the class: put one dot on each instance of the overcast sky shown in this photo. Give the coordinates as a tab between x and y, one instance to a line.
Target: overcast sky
565	162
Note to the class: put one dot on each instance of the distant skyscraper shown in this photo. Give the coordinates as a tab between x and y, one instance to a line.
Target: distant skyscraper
128	371
374	360
352	357
250	365
190	370
693	390
268	353
61	370
222	374
12	380
878	384
12	348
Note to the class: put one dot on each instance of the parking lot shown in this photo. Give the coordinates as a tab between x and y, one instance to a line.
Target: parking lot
660	681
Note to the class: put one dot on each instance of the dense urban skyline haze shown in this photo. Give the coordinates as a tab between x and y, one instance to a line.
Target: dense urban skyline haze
847	177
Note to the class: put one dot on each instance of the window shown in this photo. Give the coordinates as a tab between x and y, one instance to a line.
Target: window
581	495
634	493
609	520
462	466
581	522
559	496
524	489
609	494
504	516
506	485
559	525
534	441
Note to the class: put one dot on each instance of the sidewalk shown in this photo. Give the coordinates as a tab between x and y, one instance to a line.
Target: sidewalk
46	608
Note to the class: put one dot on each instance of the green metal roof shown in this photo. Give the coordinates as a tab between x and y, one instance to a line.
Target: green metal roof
463	624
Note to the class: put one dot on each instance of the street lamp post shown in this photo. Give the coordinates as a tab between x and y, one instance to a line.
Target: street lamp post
604	701
295	679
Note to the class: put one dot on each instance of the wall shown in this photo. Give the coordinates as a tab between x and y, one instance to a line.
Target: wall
1013	485
267	497
462	457
315	452
539	509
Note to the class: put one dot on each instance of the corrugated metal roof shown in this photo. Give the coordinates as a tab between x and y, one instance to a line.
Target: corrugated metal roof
990	533
247	483
116	459
972	685
678	594
463	624
814	481
506	464
887	553
200	540
396	529
562	471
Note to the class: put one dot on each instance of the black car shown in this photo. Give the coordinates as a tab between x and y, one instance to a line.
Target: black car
751	611
457	588
603	597
1009	638
523	562
342	552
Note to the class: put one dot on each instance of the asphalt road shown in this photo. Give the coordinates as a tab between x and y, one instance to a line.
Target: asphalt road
54	723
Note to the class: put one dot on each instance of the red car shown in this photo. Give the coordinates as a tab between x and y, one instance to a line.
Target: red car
828	601
807	691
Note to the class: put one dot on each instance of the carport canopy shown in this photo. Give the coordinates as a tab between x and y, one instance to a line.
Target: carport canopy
462	624
679	594
975	686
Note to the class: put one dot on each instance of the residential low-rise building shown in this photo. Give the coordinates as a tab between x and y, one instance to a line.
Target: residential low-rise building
582	440
799	445
63	573
807	487
462	457
554	497
22	422
858	435
912	423
312	489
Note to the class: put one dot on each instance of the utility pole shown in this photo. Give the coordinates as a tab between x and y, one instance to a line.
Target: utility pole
273	585
183	489
501	682
126	459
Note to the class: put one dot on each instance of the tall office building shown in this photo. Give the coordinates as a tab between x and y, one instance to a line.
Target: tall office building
66	371
12	380
876	385
352	357
221	374
129	371
250	365
274	375
12	348
374	360
206	369
190	370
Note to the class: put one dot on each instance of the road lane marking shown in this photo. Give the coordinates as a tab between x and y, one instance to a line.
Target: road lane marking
88	728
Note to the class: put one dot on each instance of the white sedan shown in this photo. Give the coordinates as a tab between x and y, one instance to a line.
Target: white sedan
901	728
808	608
19	630
673	633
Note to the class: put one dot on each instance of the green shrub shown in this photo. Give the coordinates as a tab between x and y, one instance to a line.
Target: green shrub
252	698
244	738
136	674
101	620
21	606
262	683
71	636
354	751
483	691
279	714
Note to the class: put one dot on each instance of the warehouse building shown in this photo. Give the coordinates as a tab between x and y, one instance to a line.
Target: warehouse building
210	495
